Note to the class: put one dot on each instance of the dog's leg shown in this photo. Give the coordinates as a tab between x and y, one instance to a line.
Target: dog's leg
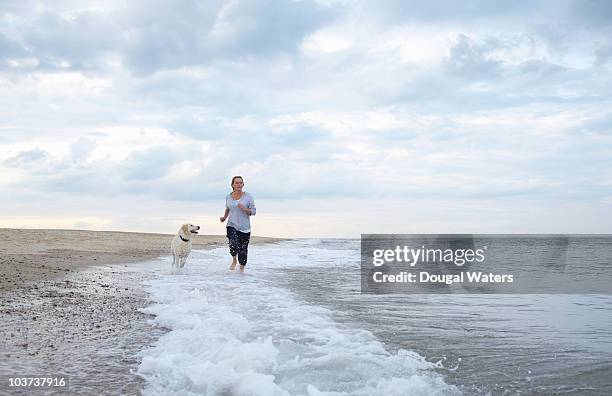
176	263
183	260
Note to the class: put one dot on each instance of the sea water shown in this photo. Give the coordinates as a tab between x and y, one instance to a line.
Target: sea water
297	324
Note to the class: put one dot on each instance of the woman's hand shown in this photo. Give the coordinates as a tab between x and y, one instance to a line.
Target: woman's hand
222	218
244	208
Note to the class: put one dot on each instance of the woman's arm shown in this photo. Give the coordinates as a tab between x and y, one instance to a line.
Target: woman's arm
250	210
222	218
246	210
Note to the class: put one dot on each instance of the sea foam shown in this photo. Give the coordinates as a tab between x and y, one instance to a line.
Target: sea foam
232	334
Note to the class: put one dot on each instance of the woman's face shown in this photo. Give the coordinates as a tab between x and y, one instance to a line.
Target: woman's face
238	184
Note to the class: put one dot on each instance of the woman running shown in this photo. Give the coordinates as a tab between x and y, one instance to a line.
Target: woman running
239	207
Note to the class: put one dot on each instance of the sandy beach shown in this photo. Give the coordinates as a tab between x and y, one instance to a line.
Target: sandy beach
70	303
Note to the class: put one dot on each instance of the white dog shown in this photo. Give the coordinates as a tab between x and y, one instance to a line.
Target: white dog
181	245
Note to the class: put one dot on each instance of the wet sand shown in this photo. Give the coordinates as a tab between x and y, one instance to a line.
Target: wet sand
69	304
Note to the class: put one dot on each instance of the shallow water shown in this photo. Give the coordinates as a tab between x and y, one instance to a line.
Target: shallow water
298	324
243	334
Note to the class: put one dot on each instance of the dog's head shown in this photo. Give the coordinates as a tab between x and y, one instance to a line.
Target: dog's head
188	229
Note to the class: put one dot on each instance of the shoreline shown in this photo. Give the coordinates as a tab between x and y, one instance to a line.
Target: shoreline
42	254
70	304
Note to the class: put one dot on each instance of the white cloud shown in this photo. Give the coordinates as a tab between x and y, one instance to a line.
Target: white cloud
316	103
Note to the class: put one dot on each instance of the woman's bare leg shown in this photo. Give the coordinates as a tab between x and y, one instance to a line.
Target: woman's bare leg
234	262
242	268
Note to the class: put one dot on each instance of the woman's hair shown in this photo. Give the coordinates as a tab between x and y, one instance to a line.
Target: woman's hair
234	178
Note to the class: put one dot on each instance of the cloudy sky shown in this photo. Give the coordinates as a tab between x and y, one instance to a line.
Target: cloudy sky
344	117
